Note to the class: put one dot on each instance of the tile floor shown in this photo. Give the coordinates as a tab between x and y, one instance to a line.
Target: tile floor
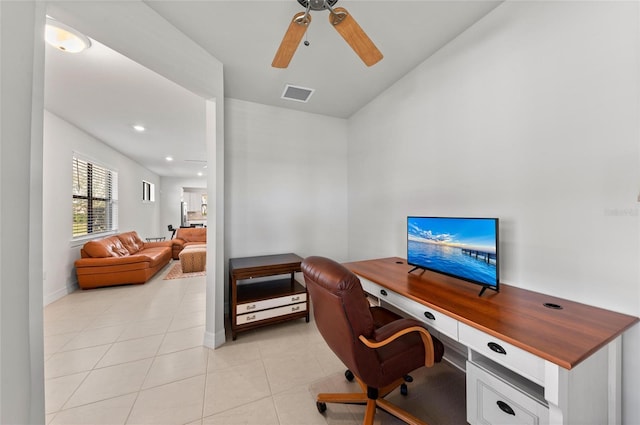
134	355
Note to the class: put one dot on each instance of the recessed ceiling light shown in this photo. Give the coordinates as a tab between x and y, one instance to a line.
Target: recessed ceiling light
169	158
139	128
199	173
65	38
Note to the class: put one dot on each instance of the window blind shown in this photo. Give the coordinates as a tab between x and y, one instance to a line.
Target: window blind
95	200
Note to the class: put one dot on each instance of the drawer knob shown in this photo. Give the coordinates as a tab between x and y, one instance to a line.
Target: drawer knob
251	307
429	315
383	292
505	408
295	298
251	317
296	308
497	348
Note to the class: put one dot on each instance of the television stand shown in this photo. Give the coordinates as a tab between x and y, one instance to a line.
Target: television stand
416	268
484	288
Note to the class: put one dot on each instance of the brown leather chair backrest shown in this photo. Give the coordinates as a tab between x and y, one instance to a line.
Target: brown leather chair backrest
341	312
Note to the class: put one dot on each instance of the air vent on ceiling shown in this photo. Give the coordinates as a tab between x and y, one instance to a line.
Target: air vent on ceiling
299	94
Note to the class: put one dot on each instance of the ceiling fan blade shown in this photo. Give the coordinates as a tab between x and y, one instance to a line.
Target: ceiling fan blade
349	29
291	40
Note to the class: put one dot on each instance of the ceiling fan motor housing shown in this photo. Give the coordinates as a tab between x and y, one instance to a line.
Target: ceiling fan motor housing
317	4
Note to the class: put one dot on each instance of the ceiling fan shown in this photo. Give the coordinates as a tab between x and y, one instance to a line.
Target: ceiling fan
340	19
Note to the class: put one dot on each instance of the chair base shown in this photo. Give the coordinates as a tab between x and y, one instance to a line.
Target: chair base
371	403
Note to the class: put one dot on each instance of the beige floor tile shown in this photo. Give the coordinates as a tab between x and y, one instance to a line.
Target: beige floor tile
94	337
182	340
113	411
58	390
110	382
131	350
187	320
233	354
291	371
53	343
297	406
146	327
63	326
261	412
175	403
235	387
114	319
68	362
176	366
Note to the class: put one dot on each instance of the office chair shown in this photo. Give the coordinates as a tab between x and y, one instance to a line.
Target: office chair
376	345
172	230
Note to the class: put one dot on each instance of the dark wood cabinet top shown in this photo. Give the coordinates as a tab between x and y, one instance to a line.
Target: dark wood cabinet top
565	336
264	265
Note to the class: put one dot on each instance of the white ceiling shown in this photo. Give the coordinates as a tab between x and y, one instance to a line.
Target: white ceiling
105	93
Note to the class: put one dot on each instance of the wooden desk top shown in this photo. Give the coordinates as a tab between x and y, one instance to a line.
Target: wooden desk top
517	316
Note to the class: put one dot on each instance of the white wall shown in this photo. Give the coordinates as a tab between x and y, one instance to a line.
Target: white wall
286	186
170	198
530	116
21	105
61	140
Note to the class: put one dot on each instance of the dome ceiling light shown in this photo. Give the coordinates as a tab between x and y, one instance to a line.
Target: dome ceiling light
65	38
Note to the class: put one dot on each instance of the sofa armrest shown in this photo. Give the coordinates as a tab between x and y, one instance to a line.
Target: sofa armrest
178	242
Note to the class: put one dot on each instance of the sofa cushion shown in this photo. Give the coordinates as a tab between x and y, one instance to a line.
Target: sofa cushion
106	247
131	241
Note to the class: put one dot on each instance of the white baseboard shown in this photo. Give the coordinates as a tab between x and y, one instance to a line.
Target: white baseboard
214	340
62	292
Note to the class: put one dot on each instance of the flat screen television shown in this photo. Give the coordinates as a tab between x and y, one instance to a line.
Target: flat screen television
462	247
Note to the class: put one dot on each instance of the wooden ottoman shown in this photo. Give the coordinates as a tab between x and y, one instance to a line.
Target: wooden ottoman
193	259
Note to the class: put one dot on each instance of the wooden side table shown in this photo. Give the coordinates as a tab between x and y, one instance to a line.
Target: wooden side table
264	302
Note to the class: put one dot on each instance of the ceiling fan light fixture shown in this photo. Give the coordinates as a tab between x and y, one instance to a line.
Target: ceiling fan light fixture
65	38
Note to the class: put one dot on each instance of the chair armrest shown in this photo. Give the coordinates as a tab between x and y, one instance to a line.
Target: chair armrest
397	329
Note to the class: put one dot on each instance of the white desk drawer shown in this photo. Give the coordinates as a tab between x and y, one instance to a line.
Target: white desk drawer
242	319
491	400
431	317
270	303
370	287
436	320
520	361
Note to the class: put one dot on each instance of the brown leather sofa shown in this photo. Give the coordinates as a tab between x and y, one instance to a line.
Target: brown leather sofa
119	260
186	236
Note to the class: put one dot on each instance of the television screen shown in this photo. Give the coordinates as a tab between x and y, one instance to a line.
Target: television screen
466	248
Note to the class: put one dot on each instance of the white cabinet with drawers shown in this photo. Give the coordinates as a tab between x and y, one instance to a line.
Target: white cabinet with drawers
509	385
492	400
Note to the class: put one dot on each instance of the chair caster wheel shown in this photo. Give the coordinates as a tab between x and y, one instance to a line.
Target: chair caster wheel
322	407
403	389
408	378
349	375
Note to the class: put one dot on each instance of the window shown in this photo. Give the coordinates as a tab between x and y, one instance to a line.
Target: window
95	198
148	191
